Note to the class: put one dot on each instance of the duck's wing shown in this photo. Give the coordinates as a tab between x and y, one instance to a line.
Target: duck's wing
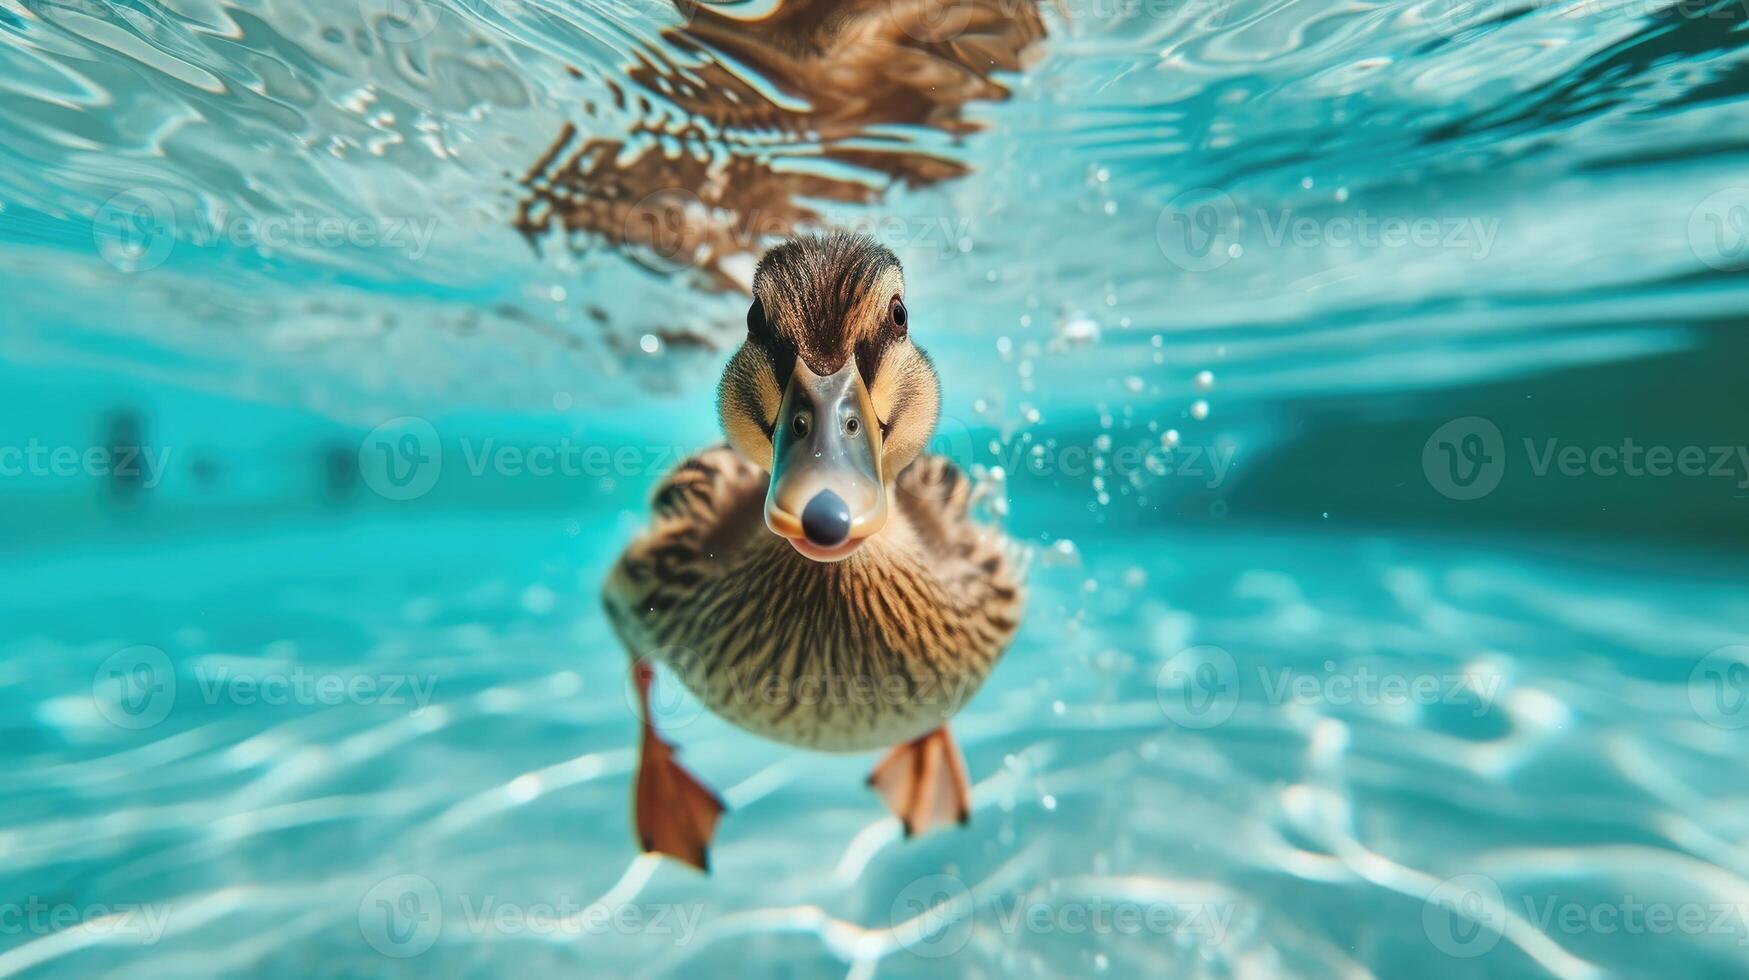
936	497
983	569
704	509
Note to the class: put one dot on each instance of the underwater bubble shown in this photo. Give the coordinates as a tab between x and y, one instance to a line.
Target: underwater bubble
1205	380
650	343
539	599
1134	384
1199	409
1169	439
1078	328
1063	552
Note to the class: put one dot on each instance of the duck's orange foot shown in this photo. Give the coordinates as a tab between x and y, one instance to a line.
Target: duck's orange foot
924	783
675	814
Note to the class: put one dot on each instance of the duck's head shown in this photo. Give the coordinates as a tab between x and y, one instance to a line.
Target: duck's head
828	393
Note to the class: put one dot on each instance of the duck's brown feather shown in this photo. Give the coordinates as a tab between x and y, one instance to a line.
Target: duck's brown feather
879	648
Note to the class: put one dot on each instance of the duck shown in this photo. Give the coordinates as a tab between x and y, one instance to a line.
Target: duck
818	579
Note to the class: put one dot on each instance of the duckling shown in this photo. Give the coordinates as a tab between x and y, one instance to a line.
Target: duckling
818	580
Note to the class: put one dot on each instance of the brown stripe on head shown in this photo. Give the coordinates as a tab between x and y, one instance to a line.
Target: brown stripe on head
826	296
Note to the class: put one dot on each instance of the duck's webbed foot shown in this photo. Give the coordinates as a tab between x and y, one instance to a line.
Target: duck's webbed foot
675	814
924	783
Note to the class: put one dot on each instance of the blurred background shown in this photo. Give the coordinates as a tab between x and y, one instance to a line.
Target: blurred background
1363	380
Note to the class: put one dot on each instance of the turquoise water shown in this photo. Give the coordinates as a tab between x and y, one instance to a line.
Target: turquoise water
1363	380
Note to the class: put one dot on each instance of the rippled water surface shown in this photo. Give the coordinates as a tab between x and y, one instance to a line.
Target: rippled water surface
1234	304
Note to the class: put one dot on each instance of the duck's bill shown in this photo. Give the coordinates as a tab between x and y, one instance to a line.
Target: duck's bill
827	496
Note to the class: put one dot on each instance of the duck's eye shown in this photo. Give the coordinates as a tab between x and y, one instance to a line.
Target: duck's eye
852	427
756	319
799	425
901	319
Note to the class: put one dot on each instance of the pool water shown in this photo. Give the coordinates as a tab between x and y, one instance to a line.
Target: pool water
1362	381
